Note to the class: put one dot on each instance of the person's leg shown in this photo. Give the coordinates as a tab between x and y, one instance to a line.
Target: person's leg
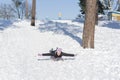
58	59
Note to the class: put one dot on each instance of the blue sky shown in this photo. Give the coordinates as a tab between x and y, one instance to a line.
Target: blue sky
50	8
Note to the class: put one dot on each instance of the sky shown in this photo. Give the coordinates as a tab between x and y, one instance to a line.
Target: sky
51	8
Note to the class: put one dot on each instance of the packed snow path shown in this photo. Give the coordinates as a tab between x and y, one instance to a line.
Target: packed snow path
20	43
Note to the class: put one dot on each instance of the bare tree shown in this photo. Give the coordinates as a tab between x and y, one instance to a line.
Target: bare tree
17	4
89	25
33	12
26	14
22	8
6	11
26	9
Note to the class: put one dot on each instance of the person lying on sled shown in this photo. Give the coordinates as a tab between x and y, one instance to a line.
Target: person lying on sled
57	54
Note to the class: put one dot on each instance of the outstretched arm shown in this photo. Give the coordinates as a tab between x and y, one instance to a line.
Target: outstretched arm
66	54
45	54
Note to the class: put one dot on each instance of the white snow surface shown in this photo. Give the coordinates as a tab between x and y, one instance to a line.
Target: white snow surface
20	43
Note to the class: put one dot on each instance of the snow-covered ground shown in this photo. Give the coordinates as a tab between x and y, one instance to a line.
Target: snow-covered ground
20	43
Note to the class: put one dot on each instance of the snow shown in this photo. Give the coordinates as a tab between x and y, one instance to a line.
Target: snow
20	43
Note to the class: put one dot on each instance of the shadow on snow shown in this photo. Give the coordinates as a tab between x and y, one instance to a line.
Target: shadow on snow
5	24
112	24
62	28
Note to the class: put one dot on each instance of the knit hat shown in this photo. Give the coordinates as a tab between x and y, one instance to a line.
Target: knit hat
59	50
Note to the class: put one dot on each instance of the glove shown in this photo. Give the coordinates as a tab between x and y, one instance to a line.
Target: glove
39	54
75	54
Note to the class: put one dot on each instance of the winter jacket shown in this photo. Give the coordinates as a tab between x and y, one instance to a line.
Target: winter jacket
54	54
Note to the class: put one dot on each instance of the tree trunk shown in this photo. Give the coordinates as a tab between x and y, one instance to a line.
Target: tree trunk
18	12
96	19
26	13
89	25
33	12
109	4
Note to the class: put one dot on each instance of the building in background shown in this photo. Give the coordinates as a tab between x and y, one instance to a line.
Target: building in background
114	15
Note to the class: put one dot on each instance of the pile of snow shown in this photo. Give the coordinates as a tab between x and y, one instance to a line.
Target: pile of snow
20	43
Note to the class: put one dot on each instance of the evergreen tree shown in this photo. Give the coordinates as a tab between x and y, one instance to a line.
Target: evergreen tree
118	8
82	5
118	5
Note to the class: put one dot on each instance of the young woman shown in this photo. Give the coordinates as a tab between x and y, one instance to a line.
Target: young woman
57	54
